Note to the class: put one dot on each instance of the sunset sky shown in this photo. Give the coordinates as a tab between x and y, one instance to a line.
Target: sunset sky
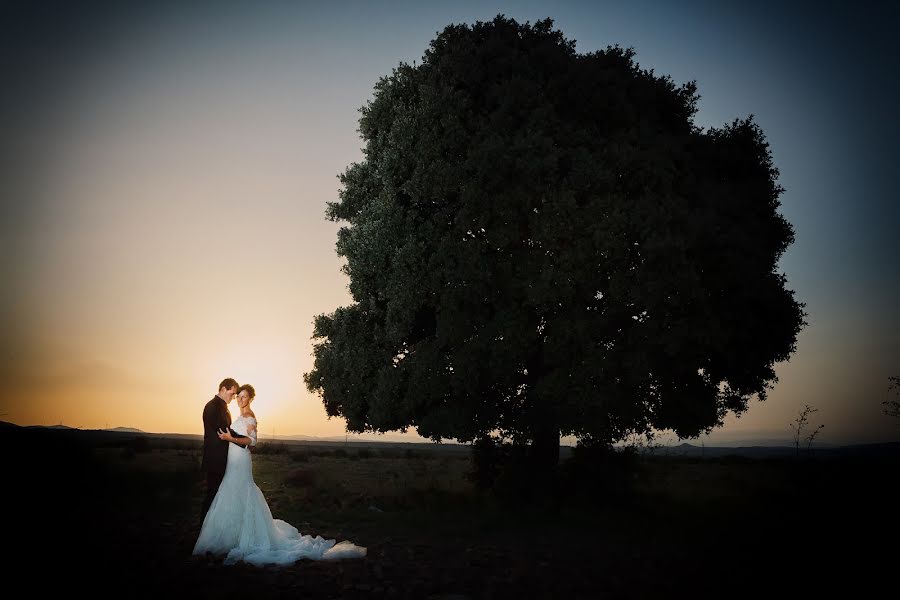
164	171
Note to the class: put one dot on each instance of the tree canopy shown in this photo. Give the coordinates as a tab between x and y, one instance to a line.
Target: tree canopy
541	242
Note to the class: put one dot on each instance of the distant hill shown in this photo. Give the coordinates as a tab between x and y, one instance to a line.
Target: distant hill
8	425
390	439
779	449
689	450
67	428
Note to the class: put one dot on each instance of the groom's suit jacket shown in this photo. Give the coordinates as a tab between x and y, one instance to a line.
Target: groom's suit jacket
215	451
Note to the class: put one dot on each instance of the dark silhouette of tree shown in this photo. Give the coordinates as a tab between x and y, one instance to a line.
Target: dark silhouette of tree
892	407
542	242
800	425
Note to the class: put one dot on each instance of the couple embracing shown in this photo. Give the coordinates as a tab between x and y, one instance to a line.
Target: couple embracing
238	522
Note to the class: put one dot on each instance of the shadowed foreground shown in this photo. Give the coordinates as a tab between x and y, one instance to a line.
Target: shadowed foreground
118	515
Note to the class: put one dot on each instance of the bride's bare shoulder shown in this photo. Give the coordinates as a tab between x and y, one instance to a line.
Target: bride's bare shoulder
251	414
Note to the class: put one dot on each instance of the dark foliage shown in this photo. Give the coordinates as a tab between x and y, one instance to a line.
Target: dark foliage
541	242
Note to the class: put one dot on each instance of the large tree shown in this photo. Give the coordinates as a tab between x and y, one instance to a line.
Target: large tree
541	242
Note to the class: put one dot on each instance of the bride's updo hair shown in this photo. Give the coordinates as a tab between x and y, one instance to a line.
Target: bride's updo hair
249	389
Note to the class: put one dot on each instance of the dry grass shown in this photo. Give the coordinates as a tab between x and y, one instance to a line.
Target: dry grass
656	527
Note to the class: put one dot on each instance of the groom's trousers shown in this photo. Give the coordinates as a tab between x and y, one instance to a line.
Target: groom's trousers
213	481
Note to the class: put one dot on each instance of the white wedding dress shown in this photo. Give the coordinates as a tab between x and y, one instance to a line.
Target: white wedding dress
240	524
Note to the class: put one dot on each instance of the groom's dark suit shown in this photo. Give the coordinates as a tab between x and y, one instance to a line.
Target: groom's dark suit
215	451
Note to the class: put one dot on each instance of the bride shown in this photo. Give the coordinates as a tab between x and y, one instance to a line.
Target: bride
239	522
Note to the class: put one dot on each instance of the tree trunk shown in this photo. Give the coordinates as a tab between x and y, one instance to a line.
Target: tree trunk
545	460
545	447
544	455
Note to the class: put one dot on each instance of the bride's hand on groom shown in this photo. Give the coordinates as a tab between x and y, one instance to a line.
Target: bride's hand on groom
224	435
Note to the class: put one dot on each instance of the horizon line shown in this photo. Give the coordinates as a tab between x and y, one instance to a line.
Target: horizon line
694	442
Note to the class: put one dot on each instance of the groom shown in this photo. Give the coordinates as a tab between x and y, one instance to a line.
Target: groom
215	451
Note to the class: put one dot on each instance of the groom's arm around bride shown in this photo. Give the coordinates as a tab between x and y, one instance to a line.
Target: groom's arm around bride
215	450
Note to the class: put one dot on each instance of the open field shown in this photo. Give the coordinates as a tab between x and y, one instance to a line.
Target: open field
118	515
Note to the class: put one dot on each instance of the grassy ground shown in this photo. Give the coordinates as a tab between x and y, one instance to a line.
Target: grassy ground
121	519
